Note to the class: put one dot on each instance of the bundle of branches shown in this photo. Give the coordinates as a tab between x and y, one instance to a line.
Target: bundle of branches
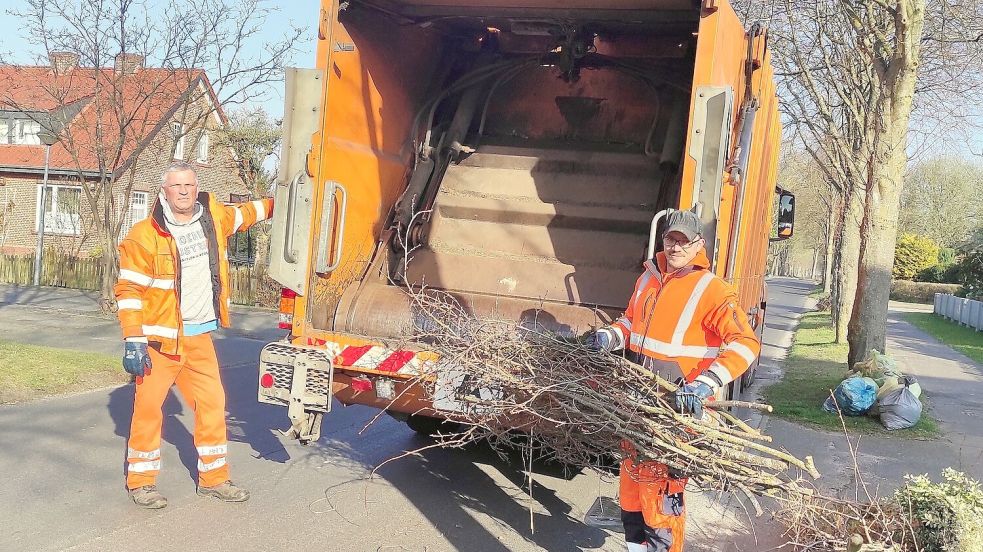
921	516
821	523
580	405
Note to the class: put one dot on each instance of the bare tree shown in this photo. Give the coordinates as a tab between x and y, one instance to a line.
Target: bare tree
851	72
799	173
124	106
255	139
941	199
890	36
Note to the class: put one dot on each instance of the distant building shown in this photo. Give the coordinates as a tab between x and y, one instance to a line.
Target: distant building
168	115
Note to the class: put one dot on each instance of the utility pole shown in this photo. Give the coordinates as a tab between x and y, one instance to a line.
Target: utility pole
48	138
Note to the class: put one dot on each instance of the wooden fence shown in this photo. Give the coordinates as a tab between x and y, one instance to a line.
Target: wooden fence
249	289
84	273
56	270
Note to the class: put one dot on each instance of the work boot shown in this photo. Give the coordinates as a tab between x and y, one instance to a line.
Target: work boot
227	492
148	497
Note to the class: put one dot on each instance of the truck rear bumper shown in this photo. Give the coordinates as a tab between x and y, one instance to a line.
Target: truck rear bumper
305	379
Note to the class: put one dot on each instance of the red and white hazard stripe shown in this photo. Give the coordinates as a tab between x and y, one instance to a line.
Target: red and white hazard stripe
373	357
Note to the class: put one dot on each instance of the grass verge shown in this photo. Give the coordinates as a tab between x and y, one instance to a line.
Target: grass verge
814	367
31	372
963	339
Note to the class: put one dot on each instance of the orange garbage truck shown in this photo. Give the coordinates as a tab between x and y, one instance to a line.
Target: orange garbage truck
520	156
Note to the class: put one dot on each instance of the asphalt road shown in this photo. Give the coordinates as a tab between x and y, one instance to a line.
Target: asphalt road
63	463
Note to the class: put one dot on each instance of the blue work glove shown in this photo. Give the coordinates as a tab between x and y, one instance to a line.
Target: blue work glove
136	360
689	398
601	340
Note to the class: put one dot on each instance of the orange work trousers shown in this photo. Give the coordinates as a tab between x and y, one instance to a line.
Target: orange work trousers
196	374
646	488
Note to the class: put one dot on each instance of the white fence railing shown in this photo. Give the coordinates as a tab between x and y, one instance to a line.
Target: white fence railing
961	311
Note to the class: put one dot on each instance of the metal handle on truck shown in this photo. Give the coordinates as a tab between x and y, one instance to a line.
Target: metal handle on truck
327	214
652	231
289	252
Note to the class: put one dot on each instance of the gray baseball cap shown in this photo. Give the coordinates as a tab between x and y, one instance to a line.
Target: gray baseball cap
686	223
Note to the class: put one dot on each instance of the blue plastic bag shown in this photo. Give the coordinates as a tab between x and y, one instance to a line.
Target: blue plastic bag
854	395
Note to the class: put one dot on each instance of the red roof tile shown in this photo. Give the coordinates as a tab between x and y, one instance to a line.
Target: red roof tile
148	98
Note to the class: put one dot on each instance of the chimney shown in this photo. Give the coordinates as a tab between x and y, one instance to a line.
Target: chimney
62	62
128	63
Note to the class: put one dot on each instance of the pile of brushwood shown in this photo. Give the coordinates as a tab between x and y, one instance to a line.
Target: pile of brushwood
921	516
579	406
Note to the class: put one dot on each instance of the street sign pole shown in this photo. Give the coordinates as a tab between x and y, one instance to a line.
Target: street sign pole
40	247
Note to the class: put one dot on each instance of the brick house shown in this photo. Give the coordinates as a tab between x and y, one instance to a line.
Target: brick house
127	122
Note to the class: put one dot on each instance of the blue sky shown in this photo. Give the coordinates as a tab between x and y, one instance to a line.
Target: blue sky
16	47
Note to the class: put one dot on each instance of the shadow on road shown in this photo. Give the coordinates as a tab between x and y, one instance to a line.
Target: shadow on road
248	421
121	411
50	298
449	487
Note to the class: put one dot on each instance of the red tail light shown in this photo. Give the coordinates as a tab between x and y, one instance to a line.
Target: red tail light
266	381
288	298
362	384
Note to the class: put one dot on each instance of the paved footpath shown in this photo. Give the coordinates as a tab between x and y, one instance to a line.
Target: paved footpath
953	385
952	382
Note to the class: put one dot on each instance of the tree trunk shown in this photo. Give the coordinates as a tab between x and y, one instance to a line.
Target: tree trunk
849	256
868	323
110	272
828	259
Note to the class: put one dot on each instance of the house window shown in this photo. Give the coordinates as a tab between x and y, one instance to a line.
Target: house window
203	148
27	132
19	130
242	246
177	129
62	210
139	205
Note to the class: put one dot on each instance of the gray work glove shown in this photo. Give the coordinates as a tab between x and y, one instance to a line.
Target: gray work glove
136	359
604	339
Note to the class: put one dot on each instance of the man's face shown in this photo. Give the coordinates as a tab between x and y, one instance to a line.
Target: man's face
181	192
680	251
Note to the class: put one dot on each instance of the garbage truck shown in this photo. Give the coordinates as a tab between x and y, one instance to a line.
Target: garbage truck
518	156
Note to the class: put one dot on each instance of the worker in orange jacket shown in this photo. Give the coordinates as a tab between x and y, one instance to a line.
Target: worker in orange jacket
684	323
173	290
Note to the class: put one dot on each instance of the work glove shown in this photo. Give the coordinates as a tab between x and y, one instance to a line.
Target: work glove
689	398
601	340
136	360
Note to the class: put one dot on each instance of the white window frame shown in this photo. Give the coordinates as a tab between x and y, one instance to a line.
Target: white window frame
32	138
132	217
203	147
177	131
55	223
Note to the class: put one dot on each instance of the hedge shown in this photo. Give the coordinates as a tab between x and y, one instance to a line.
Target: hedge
920	292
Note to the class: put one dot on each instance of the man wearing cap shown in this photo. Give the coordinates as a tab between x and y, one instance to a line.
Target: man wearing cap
684	323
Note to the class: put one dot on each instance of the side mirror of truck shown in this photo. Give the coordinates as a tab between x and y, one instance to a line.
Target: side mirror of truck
786	214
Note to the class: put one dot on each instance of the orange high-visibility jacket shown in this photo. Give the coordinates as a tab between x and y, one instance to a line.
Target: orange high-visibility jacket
149	285
690	317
